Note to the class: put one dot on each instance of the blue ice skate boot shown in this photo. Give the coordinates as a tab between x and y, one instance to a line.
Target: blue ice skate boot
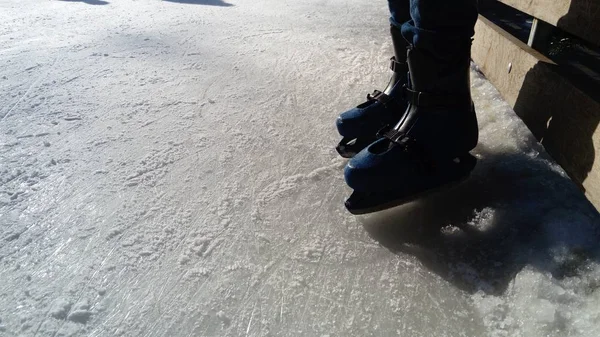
359	126
429	147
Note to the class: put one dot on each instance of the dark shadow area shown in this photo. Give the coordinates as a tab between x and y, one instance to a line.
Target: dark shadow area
561	103
513	212
203	2
562	117
582	20
578	60
89	2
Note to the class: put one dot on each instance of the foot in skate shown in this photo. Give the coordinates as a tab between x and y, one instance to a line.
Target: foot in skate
359	126
429	147
430	181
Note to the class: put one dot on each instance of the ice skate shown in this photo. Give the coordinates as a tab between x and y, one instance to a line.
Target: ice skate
429	147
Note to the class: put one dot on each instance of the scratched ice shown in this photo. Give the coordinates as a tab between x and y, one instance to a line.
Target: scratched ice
167	169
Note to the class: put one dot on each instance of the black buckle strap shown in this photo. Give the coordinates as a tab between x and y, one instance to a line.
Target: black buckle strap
413	149
380	97
424	99
396	136
398	67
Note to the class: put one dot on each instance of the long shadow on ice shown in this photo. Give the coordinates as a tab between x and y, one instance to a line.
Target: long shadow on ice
89	2
513	211
203	2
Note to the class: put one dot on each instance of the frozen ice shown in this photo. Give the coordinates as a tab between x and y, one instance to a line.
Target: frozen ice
60	309
190	186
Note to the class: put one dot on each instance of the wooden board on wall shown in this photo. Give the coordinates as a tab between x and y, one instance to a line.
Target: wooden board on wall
560	115
578	17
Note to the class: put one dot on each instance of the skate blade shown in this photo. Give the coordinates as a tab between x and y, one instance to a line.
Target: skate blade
353	202
360	203
350	147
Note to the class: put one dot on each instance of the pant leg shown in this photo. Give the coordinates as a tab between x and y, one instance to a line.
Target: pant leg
440	26
399	12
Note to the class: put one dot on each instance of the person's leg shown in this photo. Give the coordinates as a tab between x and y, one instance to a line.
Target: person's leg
399	12
399	15
439	26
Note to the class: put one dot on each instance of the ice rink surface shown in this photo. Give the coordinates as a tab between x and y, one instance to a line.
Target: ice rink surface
167	168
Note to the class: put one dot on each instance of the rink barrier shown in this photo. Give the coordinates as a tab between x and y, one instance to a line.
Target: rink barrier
562	115
578	17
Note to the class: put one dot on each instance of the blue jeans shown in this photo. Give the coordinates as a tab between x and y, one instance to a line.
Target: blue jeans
438	26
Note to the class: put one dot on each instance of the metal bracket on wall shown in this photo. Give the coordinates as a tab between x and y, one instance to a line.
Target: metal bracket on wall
532	33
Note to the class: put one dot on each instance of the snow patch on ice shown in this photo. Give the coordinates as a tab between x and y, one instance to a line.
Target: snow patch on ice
79	316
60	308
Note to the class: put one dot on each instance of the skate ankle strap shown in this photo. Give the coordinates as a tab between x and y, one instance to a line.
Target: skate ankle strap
396	136
410	146
380	97
400	138
425	99
398	67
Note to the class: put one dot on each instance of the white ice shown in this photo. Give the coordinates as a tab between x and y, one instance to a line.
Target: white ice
167	168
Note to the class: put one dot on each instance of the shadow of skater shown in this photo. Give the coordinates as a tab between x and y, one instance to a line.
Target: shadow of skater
513	211
561	104
203	2
89	2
